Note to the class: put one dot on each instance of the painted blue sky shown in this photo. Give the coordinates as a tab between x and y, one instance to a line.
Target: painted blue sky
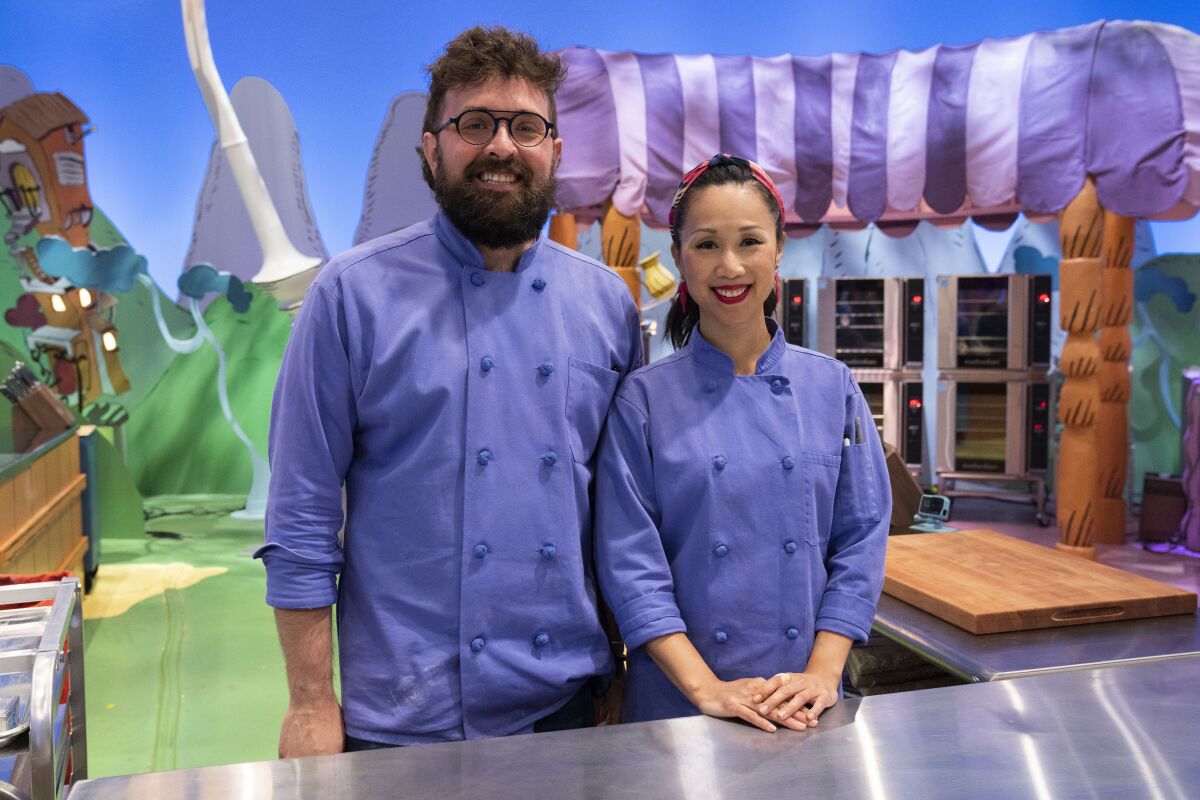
338	64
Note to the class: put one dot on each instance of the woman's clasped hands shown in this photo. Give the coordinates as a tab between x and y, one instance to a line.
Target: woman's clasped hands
796	699
792	699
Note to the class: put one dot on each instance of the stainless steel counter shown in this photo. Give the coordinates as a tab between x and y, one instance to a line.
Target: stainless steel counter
999	656
1124	732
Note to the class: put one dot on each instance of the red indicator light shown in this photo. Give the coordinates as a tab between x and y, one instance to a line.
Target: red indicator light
1041	405
917	299
797	300
1039	427
1043	298
914	403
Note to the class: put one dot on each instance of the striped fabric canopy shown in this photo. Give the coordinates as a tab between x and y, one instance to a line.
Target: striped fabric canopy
988	130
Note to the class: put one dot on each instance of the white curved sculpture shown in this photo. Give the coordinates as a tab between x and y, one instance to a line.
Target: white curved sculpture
286	272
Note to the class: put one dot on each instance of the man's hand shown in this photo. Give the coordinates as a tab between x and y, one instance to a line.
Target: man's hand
312	728
719	698
608	705
785	696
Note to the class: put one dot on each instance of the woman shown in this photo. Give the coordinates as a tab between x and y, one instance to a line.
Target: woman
742	498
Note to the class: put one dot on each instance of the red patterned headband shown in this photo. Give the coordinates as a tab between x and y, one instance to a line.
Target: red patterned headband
720	160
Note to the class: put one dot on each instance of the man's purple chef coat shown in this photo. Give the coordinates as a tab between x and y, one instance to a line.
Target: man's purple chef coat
729	506
461	409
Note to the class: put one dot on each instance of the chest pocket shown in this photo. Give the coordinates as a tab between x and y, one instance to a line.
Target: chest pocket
590	390
857	501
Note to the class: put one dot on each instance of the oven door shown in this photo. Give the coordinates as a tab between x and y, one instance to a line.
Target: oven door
853	321
981	317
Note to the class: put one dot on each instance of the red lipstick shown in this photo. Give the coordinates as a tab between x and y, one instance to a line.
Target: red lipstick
735	299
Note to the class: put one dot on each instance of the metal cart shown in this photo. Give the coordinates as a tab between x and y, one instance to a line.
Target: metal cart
41	665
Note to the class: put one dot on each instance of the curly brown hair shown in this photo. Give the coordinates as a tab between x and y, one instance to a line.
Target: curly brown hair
479	54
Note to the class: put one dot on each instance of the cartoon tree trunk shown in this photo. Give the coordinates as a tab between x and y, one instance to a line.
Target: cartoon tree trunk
1080	277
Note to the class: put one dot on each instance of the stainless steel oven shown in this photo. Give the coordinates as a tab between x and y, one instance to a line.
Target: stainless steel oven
872	323
993	425
994	322
897	403
790	311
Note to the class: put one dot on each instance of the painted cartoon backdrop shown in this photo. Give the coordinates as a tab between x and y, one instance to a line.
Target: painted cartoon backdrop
181	376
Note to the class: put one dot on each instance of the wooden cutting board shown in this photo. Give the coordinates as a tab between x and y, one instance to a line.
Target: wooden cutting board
986	582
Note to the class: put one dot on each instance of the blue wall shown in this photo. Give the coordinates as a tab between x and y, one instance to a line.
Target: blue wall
339	64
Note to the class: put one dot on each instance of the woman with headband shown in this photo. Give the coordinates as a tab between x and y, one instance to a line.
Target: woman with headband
742	500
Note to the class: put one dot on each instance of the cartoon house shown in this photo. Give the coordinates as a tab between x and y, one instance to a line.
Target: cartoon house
41	155
80	342
43	188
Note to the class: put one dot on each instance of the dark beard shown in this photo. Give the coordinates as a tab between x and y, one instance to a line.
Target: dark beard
496	220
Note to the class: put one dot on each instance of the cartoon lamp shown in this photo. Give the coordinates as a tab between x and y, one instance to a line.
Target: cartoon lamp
659	281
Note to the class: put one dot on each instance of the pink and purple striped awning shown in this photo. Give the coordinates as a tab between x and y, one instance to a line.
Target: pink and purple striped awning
984	131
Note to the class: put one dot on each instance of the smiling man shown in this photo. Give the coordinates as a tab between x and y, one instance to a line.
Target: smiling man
453	378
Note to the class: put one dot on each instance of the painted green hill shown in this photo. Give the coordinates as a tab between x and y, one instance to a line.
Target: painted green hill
1156	438
179	441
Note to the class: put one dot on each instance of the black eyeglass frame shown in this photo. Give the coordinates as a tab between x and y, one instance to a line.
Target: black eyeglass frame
550	126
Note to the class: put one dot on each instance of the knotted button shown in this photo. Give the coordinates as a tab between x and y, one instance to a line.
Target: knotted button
550	458
710	386
788	462
542	639
478	279
477	644
791	633
721	550
538	284
545	368
721	636
481	550
789	547
719	463
483	457
486	363
777	386
548	551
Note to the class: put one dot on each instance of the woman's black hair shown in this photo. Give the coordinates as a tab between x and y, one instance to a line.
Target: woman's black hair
679	324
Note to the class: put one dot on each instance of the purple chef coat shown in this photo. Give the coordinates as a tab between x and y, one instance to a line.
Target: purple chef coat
729	507
461	409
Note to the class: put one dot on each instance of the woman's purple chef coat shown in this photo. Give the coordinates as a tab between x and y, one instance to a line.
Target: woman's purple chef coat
729	507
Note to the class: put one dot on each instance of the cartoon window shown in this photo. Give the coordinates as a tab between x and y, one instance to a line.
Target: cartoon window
70	168
26	187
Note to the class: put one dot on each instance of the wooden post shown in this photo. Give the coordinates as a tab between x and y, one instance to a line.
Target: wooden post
563	230
1080	283
1112	423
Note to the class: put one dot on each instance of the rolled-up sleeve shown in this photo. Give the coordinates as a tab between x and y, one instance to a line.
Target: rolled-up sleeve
635	577
858	538
310	447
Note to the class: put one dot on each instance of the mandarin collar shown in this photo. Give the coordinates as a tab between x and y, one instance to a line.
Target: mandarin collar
713	358
466	253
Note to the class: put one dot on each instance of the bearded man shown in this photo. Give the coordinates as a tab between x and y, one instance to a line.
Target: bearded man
453	379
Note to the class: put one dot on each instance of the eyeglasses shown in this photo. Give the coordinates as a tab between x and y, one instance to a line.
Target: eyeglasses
477	126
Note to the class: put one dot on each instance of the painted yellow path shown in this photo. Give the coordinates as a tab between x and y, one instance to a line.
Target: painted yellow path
119	586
